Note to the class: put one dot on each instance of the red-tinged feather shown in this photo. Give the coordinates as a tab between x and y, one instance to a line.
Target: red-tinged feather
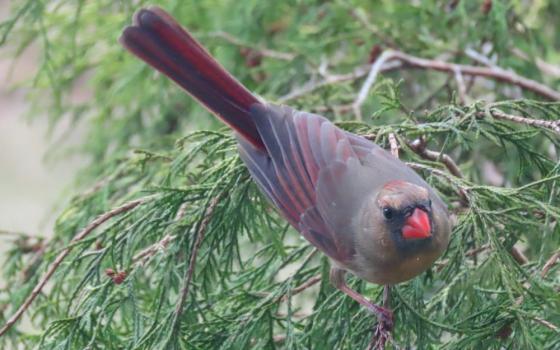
301	174
307	156
161	42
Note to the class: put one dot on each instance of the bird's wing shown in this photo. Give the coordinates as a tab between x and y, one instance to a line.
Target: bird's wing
312	171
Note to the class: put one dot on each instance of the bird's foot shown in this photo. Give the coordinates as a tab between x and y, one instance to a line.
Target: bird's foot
383	329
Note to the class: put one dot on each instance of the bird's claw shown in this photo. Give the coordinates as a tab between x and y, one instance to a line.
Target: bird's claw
383	328
385	319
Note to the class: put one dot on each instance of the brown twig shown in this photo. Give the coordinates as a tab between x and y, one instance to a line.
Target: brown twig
495	73
550	263
312	85
419	146
192	262
394	145
309	283
547	324
475	251
62	255
144	255
553	125
518	256
284	56
391	60
328	80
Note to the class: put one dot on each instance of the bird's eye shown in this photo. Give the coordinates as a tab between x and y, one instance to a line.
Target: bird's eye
388	213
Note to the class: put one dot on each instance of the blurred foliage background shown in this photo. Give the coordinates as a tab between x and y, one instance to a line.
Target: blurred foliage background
122	286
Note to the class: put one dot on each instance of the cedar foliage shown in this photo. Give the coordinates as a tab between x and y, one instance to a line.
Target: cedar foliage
121	286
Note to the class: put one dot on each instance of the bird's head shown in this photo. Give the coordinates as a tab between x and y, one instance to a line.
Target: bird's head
400	233
406	209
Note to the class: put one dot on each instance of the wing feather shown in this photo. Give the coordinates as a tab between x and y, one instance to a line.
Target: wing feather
309	172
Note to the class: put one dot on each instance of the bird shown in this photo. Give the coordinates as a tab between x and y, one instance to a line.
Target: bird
366	210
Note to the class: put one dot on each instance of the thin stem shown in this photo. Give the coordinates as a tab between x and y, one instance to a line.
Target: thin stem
550	263
495	73
394	145
370	80
192	263
553	125
62	255
307	284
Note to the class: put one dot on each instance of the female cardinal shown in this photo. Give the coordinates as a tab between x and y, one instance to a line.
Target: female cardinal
366	210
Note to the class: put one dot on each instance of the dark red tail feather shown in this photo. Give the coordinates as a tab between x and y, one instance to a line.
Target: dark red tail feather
156	38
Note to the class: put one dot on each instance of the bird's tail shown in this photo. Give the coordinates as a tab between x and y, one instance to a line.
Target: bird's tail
156	38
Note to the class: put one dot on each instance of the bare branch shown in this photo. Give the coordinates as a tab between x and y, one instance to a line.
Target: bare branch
547	124
419	146
547	324
62	255
461	87
376	67
480	58
518	256
394	145
550	263
391	60
495	73
332	79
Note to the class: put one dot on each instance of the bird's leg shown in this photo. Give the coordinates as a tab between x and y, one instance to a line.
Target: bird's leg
384	315
387	296
382	334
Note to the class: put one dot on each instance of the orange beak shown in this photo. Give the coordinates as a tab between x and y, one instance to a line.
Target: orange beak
417	225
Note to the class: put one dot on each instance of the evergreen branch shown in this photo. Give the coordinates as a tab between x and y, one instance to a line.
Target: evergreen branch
439	173
553	125
62	255
477	291
150	251
144	255
309	283
419	147
192	263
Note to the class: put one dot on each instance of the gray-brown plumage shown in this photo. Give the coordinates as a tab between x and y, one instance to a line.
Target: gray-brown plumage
366	210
